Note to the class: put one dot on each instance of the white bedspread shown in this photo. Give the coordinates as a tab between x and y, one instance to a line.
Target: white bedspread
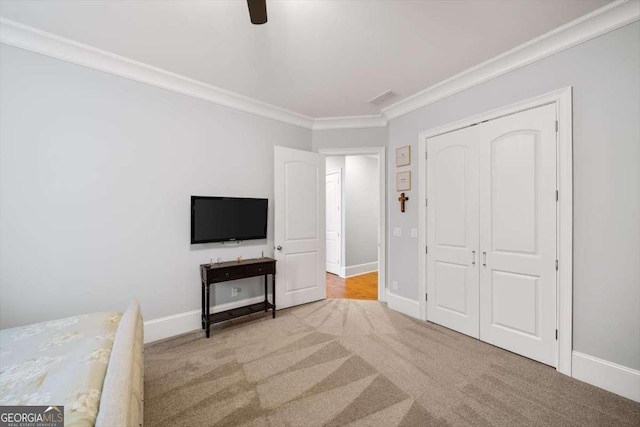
61	362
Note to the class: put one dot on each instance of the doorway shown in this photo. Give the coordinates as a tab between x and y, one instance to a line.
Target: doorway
355	223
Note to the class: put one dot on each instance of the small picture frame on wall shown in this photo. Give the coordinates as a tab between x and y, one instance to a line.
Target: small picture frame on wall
403	181
403	156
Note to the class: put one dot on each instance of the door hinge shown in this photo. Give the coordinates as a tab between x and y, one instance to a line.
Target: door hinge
426	249
426	202
556	335
426	297
556	265
557	195
556	126
425	155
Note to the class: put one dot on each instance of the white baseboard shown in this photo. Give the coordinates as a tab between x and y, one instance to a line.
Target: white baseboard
356	270
403	305
610	376
169	326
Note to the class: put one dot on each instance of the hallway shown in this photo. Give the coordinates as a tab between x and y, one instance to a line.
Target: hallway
363	286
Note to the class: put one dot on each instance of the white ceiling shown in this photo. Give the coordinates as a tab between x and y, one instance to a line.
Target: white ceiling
317	58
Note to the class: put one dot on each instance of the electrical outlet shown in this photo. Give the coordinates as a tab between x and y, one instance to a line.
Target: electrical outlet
414	233
394	286
235	292
397	232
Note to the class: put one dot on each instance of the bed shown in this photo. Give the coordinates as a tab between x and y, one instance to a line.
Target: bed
92	364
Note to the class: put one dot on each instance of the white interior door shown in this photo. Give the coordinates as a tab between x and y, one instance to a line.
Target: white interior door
491	232
299	226
518	233
452	231
334	221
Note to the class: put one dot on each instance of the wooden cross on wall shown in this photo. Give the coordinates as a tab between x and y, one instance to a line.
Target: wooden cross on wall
402	199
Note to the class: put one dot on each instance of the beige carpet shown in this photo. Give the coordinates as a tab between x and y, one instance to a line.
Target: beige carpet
356	363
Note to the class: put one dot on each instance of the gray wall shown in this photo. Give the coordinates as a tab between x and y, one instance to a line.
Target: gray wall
96	174
349	138
605	75
362	206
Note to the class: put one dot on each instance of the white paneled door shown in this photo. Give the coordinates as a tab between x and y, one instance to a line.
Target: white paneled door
491	232
452	230
518	233
299	226
334	221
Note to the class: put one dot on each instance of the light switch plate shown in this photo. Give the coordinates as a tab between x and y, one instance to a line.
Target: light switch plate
397	232
414	233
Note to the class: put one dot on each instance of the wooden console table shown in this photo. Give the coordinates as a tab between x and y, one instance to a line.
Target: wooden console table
233	270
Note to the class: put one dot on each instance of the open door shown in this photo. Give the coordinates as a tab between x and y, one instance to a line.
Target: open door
299	226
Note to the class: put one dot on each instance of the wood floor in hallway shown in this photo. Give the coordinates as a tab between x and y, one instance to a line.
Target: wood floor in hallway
364	286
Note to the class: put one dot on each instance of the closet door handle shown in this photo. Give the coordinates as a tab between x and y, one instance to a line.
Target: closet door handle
484	259
473	259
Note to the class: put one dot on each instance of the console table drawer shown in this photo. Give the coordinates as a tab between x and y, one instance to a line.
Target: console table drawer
222	275
260	270
238	272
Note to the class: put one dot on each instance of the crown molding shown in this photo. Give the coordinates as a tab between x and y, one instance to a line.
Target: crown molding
594	24
38	41
350	122
601	21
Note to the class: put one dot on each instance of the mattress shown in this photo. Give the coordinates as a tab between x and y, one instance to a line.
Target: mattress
61	362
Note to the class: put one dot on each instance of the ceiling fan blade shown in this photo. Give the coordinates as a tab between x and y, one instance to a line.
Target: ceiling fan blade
257	11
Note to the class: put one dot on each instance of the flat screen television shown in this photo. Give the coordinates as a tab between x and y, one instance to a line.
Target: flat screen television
223	219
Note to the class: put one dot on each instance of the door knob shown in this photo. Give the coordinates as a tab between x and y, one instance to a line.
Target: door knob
279	248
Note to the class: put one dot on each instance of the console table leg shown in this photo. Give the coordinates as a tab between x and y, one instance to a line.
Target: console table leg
266	300
273	287
207	309
203	312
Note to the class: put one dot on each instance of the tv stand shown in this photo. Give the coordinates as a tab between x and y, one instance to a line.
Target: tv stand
210	274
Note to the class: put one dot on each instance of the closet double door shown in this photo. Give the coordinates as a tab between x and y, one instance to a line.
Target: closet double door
491	232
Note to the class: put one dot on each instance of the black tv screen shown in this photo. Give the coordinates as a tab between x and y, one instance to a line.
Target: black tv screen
220	219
